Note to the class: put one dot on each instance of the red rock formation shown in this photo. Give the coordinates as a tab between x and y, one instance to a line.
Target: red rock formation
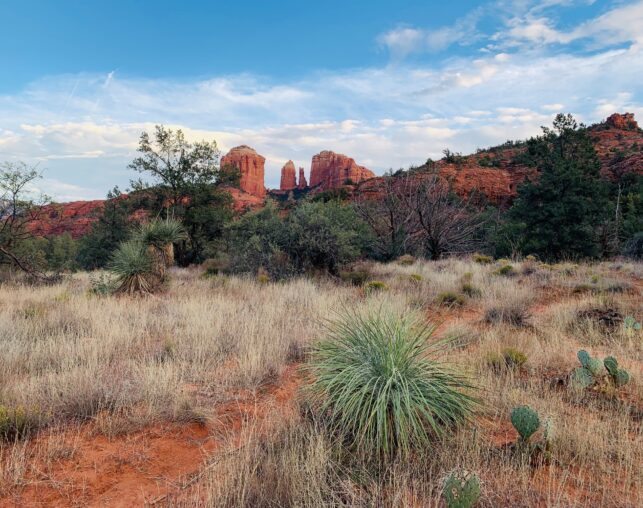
302	179
251	166
330	170
618	142
622	121
288	176
75	218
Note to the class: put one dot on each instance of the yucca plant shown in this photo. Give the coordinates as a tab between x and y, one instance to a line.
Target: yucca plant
160	235
132	266
379	379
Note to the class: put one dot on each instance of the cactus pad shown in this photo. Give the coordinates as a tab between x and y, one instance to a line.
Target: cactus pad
461	489
525	420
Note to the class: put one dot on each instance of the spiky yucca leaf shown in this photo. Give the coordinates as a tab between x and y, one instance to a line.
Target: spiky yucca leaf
160	232
379	378
132	266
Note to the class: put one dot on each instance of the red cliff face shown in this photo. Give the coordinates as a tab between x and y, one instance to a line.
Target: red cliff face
302	179
251	166
623	121
75	218
330	170
288	176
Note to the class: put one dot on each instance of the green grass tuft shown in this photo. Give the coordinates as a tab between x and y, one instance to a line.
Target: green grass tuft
379	378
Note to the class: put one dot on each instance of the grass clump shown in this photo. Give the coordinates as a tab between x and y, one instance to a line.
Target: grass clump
406	260
15	422
379	378
508	358
375	286
505	271
482	259
450	298
416	278
355	277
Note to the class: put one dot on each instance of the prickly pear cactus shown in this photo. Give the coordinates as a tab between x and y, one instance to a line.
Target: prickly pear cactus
525	420
461	489
595	366
582	378
621	378
583	357
611	365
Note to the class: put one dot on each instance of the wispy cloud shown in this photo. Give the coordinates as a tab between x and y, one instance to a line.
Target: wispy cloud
83	129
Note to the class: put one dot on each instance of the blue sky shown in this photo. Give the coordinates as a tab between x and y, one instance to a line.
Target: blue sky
389	83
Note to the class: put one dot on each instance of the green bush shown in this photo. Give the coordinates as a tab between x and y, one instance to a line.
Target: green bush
470	290
504	270
379	378
15	422
450	298
416	277
509	358
375	286
481	259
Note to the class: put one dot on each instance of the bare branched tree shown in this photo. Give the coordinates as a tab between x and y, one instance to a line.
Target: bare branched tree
382	209
18	211
418	212
442	223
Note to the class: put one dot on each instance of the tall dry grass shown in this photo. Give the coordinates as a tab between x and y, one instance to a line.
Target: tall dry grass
68	356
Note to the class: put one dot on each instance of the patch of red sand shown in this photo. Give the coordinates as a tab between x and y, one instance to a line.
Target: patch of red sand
147	465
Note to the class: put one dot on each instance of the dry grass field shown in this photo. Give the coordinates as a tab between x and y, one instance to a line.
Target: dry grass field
197	396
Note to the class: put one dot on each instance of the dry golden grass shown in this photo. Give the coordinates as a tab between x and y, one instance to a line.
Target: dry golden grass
126	363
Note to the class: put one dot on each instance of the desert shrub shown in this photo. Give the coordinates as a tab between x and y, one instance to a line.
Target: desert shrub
356	277
380	379
634	247
406	260
470	290
504	270
159	236
416	277
512	311
450	298
482	259
16	422
101	284
214	266
315	236
132	266
508	358
375	286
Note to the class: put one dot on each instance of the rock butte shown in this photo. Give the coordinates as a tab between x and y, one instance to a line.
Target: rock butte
330	170
302	179
614	141
251	166
288	176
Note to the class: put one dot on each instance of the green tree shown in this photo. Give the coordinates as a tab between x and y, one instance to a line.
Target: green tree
19	211
557	215
314	236
187	185
61	252
325	236
110	229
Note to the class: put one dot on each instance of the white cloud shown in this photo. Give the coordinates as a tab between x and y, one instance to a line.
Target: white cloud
83	129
